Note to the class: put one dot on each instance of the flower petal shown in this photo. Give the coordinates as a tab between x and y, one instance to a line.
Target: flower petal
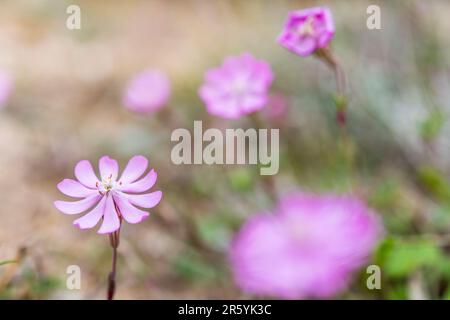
129	212
74	207
85	174
111	220
108	168
90	219
148	200
73	188
141	185
134	169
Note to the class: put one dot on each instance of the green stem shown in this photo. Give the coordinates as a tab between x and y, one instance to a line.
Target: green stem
7	262
340	100
327	56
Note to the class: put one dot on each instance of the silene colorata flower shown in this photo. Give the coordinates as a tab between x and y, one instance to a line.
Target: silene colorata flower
111	198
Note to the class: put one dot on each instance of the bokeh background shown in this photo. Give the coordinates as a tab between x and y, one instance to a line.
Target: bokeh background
67	105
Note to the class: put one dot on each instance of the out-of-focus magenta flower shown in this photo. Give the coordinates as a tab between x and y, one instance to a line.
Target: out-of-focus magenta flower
147	92
236	88
5	88
307	30
307	249
109	197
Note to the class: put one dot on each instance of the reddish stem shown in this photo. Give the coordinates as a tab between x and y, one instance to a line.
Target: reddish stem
114	239
341	118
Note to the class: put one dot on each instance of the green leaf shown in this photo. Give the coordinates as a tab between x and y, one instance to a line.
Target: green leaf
190	265
45	285
241	179
432	125
400	258
435	183
397	292
444	267
446	295
215	231
385	195
383	250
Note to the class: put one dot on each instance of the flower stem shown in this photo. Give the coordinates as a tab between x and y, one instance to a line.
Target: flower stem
340	101
114	241
327	56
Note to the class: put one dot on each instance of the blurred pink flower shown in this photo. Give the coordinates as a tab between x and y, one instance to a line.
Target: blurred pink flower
307	30
147	92
236	88
6	87
109	198
308	248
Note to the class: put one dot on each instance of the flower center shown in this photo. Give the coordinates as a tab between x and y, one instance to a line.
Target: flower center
106	185
298	230
307	28
239	87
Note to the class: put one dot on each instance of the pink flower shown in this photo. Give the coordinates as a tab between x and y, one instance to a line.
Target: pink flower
307	30
238	87
110	198
308	248
5	88
147	92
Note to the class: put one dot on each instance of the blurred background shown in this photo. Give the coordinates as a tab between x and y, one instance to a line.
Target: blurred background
66	105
